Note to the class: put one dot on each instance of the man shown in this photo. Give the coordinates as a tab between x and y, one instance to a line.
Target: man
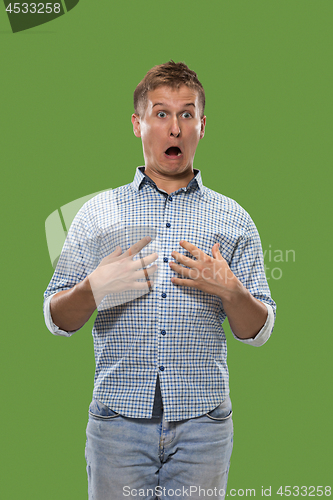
160	421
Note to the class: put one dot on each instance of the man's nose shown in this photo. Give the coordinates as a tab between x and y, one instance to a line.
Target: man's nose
175	129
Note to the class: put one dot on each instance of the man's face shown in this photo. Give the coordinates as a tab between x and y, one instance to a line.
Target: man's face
170	130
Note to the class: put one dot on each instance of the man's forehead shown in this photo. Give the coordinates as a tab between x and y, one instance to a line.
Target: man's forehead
168	95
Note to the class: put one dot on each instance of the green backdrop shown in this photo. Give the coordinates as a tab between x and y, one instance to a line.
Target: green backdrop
66	103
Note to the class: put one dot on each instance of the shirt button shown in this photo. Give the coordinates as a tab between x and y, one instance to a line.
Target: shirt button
163	332
161	368
163	295
166	259
168	224
170	198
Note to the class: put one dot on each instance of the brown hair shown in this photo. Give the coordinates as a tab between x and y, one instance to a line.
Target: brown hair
172	75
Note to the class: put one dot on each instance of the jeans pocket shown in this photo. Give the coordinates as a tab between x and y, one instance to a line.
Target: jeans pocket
221	412
99	410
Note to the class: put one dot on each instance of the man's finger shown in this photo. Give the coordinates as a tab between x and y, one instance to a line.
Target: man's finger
184	282
216	252
195	251
144	262
112	257
137	247
146	273
186	261
143	273
142	285
183	271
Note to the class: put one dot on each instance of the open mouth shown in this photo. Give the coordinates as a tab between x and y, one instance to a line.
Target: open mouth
173	152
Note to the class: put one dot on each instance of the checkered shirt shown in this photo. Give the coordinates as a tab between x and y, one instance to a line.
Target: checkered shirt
172	332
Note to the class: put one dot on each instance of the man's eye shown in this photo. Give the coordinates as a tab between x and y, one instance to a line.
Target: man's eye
187	115
161	114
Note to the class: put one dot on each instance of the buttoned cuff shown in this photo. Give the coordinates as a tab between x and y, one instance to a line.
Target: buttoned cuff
49	322
264	333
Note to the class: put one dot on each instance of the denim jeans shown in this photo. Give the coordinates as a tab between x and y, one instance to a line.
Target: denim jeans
155	459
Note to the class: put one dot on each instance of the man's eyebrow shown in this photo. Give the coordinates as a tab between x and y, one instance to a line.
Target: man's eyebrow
163	104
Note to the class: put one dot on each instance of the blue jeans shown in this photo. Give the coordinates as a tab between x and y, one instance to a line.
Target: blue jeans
155	459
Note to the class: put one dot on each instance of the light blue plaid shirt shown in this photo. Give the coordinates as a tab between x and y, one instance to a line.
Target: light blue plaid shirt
172	332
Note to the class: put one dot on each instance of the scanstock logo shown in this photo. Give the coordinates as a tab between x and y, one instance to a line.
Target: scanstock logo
26	15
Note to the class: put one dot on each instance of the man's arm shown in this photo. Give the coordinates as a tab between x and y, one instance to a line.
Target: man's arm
71	309
116	273
246	314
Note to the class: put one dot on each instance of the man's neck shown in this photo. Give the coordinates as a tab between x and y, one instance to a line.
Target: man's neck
172	183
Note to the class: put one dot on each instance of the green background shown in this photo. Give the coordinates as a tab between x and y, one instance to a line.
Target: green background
66	103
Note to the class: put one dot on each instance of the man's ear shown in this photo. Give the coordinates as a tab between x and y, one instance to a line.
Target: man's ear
136	125
203	125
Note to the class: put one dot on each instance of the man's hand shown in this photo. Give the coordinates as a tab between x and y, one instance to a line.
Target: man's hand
209	274
71	309
246	314
118	272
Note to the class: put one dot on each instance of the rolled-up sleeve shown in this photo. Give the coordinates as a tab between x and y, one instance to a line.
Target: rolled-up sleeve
248	265
264	334
49	322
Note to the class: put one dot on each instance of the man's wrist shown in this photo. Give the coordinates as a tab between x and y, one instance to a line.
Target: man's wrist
91	298
232	291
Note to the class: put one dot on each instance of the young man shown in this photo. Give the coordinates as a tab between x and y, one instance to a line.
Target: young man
160	420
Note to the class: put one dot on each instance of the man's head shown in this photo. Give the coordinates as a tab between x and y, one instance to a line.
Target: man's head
172	75
169	120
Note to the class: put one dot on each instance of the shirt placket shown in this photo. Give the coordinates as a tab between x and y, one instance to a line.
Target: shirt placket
165	286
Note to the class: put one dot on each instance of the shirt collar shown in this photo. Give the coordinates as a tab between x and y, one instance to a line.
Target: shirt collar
141	178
